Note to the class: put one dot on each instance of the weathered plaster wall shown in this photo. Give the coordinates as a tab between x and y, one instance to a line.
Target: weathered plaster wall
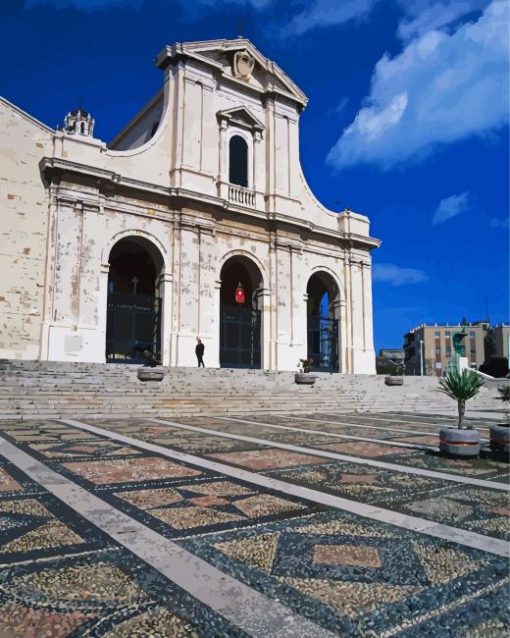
23	231
87	226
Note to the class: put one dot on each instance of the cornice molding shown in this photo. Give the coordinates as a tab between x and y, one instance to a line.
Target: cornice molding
54	165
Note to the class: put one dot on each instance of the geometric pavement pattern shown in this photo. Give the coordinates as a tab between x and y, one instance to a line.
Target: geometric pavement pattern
61	576
350	575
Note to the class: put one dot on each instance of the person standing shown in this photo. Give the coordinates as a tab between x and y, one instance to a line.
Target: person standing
199	351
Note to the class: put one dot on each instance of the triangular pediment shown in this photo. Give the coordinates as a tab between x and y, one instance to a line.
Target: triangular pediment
242	117
266	77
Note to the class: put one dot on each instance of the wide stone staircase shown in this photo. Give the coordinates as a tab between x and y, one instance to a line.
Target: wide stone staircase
30	389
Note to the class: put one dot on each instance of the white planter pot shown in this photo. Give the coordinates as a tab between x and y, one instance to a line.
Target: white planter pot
500	441
305	378
455	442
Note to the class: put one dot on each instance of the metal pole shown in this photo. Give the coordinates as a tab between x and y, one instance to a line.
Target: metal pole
421	358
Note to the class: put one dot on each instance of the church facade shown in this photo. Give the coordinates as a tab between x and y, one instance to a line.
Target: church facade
195	221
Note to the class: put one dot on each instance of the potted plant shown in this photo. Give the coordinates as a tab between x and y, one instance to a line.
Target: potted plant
303	375
396	375
500	432
460	386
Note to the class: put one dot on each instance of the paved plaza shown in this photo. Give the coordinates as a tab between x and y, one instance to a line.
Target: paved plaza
277	526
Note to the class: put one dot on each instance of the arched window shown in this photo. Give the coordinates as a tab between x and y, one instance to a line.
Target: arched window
238	161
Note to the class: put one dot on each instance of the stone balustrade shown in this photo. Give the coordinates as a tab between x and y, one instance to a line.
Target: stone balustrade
240	195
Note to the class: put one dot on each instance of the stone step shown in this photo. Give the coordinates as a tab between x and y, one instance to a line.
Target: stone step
41	389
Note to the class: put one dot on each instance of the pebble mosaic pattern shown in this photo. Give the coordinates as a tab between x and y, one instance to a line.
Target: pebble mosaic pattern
223	450
171	497
61	577
358	578
415	495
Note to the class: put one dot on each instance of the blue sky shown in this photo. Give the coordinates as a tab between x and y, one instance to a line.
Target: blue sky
407	120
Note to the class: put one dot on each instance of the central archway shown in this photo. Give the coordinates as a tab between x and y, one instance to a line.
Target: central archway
240	317
322	322
133	320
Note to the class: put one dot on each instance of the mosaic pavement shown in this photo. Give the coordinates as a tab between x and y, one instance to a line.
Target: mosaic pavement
62	576
415	495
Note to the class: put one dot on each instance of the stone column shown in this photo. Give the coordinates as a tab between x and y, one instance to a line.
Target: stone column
208	312
215	345
222	168
264	304
176	297
102	300
337	315
367	307
164	286
301	334
49	279
343	351
257	137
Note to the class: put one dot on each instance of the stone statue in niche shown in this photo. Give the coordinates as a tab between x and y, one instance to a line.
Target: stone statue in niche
243	65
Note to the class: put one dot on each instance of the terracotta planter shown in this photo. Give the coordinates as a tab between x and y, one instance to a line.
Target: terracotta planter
394	380
500	441
455	442
305	378
150	374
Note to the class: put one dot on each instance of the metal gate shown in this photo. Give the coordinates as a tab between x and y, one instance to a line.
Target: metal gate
239	337
133	327
323	344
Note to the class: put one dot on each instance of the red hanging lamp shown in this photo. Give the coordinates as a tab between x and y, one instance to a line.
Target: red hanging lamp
239	294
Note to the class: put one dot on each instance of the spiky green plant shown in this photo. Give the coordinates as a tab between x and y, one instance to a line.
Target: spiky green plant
504	392
461	386
305	365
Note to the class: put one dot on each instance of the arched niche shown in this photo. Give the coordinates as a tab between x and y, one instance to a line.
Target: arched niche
323	305
240	321
133	319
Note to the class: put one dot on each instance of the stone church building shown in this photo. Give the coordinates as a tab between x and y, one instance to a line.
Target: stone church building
195	221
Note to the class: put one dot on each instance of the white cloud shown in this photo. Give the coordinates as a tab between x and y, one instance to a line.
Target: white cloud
324	13
442	88
500	223
397	276
450	207
419	15
423	16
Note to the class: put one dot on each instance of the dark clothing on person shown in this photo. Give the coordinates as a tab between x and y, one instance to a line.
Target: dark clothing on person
199	351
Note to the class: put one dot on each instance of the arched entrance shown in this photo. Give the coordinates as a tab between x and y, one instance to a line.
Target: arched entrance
240	317
133	322
322	322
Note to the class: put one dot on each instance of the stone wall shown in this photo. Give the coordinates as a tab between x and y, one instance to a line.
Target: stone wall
23	232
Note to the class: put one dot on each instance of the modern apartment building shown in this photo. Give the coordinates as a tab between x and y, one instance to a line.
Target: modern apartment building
429	349
497	341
